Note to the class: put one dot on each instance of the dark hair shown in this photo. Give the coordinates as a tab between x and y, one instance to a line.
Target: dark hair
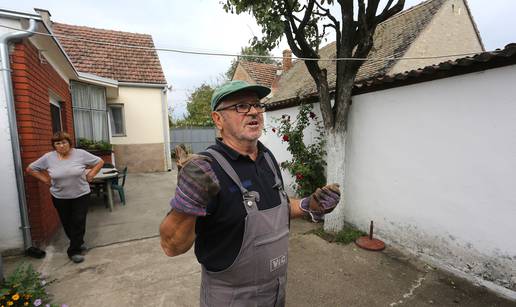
59	136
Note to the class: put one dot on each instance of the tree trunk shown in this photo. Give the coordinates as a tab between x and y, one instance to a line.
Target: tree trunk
335	171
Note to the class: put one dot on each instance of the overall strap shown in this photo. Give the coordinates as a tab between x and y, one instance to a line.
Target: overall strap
277	180
228	169
249	197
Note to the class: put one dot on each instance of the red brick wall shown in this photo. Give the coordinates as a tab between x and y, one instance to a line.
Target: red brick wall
33	81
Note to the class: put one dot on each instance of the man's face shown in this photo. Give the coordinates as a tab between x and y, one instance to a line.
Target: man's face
243	127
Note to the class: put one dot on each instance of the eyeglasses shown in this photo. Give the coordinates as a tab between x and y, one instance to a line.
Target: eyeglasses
245	107
59	143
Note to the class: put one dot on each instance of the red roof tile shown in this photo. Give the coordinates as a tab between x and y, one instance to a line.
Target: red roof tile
84	46
262	74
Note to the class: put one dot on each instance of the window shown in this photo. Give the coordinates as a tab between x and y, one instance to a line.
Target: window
117	123
89	112
55	113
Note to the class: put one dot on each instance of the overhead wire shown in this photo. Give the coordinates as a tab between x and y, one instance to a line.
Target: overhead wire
236	55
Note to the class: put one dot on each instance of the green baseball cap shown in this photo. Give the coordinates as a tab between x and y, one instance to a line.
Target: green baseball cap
236	86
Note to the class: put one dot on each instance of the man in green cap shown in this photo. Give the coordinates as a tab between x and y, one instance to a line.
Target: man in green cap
231	203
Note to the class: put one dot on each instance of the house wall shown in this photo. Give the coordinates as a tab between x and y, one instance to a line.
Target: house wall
10	234
33	81
451	31
241	74
142	149
434	165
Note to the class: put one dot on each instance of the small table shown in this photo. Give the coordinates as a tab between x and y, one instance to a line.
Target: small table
104	176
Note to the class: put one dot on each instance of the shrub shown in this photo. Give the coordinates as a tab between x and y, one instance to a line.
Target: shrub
93	145
308	161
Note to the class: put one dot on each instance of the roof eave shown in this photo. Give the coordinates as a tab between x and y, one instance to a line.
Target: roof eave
97	80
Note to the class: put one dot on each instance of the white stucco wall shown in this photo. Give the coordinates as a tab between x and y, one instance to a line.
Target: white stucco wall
143	115
10	234
434	165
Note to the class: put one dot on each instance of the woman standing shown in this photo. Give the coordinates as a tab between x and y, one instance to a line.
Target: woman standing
68	172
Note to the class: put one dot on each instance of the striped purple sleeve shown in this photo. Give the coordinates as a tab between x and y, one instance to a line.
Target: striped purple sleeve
193	188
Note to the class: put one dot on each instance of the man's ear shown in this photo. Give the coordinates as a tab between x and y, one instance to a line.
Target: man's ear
218	119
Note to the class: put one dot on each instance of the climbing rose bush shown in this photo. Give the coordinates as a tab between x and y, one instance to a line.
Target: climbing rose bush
308	162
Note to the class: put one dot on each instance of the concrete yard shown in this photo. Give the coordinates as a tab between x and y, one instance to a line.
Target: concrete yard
126	267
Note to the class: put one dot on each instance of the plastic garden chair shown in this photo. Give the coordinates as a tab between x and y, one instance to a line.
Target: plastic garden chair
108	165
119	186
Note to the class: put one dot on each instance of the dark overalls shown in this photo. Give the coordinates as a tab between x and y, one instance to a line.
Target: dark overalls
258	275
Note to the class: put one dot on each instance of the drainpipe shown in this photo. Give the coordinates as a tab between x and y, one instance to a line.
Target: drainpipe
166	128
11	112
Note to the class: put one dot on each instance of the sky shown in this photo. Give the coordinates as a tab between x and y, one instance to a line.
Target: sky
203	25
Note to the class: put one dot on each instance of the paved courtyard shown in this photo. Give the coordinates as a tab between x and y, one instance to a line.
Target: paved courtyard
126	267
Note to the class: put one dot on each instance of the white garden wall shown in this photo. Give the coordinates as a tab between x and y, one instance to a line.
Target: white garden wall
434	165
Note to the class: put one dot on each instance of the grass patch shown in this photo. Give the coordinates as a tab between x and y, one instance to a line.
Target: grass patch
345	236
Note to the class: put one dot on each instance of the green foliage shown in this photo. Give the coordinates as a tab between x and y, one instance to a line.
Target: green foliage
308	161
198	108
347	235
93	145
248	52
268	15
305	25
24	287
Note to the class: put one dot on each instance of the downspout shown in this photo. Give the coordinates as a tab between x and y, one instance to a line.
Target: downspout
11	113
166	128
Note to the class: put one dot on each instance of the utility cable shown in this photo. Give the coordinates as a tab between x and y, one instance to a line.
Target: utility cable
55	36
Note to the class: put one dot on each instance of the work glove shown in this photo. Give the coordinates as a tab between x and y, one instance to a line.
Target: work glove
181	157
197	184
321	202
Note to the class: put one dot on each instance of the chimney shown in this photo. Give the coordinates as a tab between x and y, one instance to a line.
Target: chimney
45	16
287	60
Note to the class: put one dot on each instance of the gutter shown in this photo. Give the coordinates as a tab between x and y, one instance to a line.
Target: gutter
166	129
135	84
11	112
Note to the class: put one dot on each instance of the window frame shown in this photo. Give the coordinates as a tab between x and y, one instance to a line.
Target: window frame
80	105
119	106
55	101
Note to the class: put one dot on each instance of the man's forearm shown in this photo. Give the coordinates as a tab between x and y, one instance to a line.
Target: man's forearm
177	232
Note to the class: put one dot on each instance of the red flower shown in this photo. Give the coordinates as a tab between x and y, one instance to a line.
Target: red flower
312	115
285	138
299	176
274	130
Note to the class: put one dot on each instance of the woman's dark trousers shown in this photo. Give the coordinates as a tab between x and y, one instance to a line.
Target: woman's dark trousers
72	213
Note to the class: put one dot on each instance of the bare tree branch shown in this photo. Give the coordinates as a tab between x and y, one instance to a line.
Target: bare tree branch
308	14
362	19
372	8
388	13
290	39
327	14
